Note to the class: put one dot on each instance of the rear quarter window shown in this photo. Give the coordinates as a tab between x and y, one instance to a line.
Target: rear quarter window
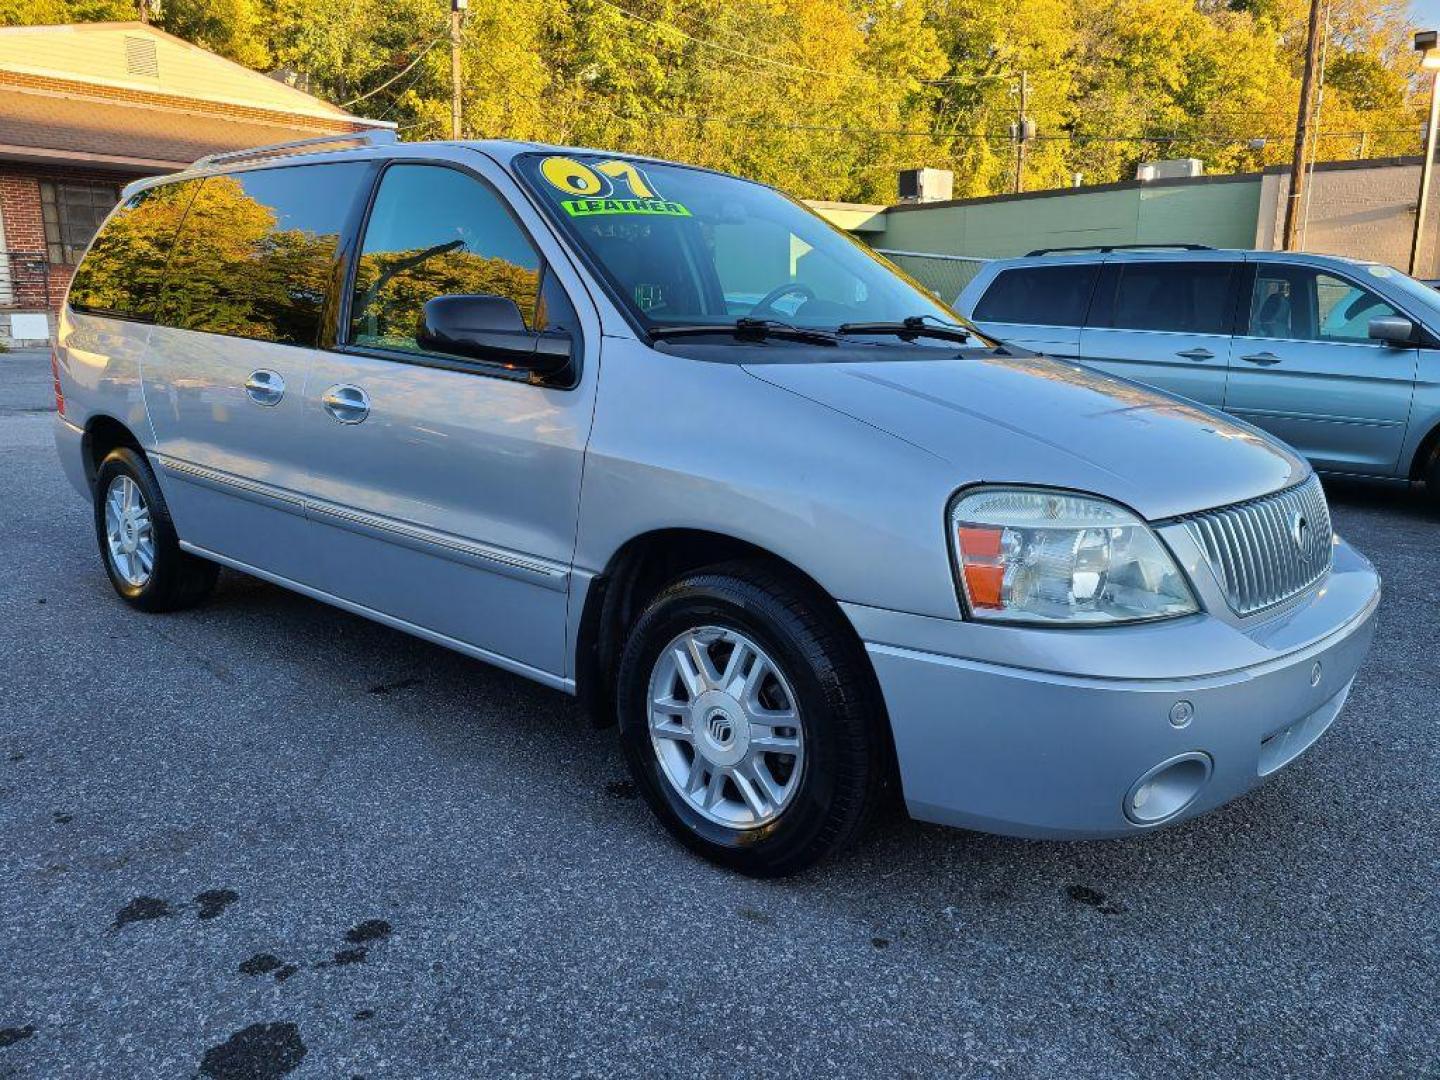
256	255
123	271
1039	295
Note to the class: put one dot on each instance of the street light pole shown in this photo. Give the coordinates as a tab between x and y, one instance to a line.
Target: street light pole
457	14
1426	44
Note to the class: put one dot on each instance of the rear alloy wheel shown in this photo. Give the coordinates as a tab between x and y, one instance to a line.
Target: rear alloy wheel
129	532
750	719
138	542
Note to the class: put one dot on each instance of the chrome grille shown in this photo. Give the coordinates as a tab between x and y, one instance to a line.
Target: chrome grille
1260	551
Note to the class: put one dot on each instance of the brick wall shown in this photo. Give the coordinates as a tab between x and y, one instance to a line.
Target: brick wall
24	275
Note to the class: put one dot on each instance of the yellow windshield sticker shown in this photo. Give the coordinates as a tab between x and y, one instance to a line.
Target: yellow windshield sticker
633	177
573	177
592	207
620	185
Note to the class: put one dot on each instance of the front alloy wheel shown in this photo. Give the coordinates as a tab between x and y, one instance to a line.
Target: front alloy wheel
750	718
725	727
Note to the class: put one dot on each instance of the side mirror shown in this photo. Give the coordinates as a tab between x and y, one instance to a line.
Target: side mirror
1392	330
486	327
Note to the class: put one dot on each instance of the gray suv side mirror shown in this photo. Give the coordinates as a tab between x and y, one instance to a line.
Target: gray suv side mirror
1392	330
486	327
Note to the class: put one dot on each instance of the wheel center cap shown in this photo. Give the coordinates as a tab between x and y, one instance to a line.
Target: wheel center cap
722	734
720	729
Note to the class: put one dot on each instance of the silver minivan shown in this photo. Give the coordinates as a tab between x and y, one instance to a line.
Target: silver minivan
661	438
1339	358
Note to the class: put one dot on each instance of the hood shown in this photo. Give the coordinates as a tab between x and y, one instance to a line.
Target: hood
1033	420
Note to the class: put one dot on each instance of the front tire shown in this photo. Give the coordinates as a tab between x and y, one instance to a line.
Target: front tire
137	539
750	719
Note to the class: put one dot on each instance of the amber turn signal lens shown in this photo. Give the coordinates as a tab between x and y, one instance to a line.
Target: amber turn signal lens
984	572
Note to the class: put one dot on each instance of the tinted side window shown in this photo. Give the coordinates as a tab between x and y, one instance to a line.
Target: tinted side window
126	265
434	231
1307	305
257	251
1190	297
554	311
1043	295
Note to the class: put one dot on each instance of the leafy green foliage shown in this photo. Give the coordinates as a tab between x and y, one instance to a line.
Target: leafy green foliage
829	98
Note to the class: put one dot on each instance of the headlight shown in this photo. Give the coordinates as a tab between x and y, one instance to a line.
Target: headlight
1035	556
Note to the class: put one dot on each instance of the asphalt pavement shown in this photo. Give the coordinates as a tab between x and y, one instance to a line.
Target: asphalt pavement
265	838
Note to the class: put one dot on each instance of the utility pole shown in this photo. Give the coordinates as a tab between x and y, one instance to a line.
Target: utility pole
1427	44
1021	134
457	16
1302	128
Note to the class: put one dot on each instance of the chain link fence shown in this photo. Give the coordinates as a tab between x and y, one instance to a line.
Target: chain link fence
945	275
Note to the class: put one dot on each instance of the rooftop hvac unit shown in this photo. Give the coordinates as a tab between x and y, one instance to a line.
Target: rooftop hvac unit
926	185
1170	169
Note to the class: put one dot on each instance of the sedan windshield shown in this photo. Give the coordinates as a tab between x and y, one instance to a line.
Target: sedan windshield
685	247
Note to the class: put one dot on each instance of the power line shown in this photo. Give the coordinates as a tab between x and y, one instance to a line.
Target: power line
396	102
662	25
672	28
400	75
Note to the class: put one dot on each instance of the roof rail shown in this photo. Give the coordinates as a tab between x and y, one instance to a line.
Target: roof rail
377	137
1105	249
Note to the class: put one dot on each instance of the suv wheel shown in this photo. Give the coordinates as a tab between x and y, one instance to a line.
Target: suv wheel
138	542
749	720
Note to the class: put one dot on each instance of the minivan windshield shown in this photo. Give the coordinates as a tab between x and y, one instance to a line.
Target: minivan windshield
1414	290
686	247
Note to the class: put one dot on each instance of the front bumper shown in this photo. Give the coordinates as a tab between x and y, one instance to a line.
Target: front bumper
1098	748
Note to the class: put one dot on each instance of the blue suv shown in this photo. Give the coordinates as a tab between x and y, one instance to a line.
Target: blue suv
1336	357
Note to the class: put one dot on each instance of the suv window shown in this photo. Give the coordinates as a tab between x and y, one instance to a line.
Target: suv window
1302	304
1040	295
1179	297
255	256
435	231
122	273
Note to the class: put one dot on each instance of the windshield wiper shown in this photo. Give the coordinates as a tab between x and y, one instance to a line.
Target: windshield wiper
913	327
749	329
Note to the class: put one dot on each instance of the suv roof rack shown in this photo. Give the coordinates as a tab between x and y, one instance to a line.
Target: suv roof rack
1105	249
377	137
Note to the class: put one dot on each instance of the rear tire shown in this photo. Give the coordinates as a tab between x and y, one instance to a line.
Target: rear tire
780	668
1432	482
137	539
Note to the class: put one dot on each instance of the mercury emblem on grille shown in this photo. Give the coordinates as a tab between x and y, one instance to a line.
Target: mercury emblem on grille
1300	531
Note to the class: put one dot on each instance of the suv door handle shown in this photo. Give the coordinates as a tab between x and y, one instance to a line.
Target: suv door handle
347	404
265	387
1265	359
1197	353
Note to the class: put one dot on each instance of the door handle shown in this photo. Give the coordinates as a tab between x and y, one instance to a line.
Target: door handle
1264	359
347	404
1196	354
265	387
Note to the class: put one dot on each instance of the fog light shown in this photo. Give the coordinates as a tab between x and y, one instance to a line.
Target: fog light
1167	788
